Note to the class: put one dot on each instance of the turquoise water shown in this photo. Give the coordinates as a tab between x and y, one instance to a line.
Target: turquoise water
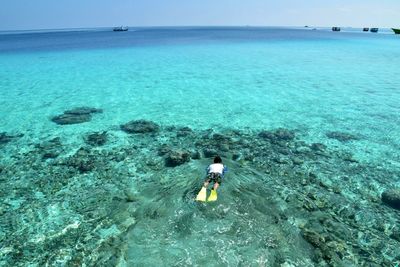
227	80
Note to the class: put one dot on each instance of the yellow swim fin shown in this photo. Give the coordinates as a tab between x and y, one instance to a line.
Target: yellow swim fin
213	195
202	195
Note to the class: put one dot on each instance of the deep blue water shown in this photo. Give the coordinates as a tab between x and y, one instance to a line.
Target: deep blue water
105	38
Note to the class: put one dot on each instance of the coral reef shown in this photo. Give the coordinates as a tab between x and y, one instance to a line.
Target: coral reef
5	138
140	126
76	115
83	111
50	149
177	157
342	137
96	139
392	198
295	203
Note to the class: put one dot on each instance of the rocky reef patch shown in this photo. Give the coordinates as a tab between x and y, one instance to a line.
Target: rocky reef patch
6	138
177	157
49	149
76	115
391	197
77	206
341	136
140	126
96	139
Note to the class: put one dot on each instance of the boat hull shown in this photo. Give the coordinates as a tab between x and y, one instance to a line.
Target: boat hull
396	31
120	29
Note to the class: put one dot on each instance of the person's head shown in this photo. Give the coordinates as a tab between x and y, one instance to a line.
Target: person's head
217	159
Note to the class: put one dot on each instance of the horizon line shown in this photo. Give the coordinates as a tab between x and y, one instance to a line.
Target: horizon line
186	26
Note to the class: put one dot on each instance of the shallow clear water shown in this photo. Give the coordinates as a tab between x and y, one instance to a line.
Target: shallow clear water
248	79
263	79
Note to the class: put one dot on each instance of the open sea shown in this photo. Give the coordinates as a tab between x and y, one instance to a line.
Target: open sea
307	122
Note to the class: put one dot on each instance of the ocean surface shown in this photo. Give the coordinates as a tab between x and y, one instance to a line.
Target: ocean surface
307	122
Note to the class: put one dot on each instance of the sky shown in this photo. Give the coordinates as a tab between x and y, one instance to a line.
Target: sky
56	14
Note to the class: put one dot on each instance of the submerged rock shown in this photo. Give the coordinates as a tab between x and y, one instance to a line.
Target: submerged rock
196	155
314	238
220	138
5	138
177	157
278	135
237	156
318	147
82	160
210	153
83	110
164	149
297	161
392	198
395	234
284	134
50	149
140	126
183	132
65	119
75	116
96	139
341	136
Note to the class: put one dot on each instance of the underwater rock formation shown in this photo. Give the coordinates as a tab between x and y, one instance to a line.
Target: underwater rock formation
164	149
392	198
342	137
5	138
83	207
83	110
50	149
318	147
76	115
278	135
184	132
96	139
210	153
65	119
177	157
82	160
196	155
140	126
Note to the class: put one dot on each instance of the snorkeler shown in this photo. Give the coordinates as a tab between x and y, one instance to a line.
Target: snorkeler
215	173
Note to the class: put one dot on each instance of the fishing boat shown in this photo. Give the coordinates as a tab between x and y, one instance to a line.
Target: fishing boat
365	29
120	29
374	30
336	29
396	31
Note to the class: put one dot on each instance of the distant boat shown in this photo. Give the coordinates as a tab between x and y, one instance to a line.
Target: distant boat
336	29
396	31
374	29
366	30
120	29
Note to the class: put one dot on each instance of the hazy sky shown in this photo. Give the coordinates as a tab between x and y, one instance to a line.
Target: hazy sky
46	14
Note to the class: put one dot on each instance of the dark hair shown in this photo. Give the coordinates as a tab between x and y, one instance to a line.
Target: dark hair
217	159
